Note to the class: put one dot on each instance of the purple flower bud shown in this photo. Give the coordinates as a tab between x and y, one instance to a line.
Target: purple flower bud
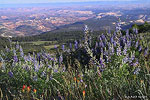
49	66
51	77
35	78
146	52
85	85
36	67
96	45
135	64
15	58
70	45
125	59
136	71
137	43
10	74
128	44
60	59
76	44
63	47
125	50
140	48
119	51
115	44
21	52
55	70
17	46
103	36
55	47
127	33
43	74
112	40
7	49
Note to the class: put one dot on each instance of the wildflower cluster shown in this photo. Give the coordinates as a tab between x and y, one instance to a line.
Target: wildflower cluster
111	66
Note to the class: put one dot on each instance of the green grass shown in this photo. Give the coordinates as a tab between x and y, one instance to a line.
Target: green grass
50	47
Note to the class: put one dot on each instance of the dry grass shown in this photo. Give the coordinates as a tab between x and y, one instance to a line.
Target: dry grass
0	64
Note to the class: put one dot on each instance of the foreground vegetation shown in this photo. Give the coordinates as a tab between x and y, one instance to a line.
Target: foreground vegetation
110	67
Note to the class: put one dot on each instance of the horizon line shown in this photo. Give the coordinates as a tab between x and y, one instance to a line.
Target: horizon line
70	2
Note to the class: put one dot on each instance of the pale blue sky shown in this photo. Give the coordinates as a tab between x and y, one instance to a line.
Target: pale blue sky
48	1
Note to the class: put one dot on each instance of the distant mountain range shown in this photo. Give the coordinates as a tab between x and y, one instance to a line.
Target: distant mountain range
115	2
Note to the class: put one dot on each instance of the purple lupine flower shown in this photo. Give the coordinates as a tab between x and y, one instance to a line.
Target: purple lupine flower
115	44
64	69
49	66
125	59
51	77
125	50
119	51
96	45
114	34
136	71
135	64
21	52
111	48
112	40
29	57
101	50
55	46
100	39
140	48
36	67
17	46
55	70
137	43
146	52
85	85
15	58
70	45
86	28
101	62
127	33
136	31
129	43
9	40
81	81
10	74
90	40
7	49
14	51
76	44
35	78
27	68
124	40
43	74
103	36
63	47
109	45
118	27
60	59
102	44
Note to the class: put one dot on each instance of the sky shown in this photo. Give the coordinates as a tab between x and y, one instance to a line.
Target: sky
48	1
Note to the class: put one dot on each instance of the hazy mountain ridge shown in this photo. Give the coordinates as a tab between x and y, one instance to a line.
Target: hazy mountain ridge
24	21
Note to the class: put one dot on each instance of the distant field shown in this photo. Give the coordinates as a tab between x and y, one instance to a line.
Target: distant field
41	42
50	47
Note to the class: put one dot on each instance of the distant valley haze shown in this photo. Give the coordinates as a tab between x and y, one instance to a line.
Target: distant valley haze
64	1
34	17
